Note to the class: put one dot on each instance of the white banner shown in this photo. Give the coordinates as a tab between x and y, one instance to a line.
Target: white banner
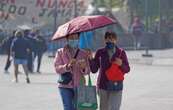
41	12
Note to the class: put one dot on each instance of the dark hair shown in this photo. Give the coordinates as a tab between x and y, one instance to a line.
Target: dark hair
72	34
109	34
13	33
26	32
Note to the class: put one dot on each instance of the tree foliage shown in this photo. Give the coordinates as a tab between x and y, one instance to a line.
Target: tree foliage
150	7
108	3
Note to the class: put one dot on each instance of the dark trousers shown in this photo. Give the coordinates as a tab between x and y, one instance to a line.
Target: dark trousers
39	58
30	62
8	62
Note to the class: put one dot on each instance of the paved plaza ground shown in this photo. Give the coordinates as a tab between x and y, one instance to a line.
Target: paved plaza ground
149	85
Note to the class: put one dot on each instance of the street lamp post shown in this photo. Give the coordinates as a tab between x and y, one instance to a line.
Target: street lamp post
111	6
53	45
75	8
160	16
146	17
146	14
55	15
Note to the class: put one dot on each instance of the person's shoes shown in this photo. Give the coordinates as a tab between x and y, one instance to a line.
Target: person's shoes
27	80
6	72
15	80
38	72
31	72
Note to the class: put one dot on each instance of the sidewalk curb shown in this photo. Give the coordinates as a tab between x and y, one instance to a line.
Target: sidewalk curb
152	61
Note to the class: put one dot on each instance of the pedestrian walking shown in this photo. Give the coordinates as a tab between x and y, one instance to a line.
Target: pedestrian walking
71	64
20	48
40	49
137	31
110	93
30	37
6	46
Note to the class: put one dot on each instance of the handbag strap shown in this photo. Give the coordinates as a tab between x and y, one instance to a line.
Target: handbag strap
76	54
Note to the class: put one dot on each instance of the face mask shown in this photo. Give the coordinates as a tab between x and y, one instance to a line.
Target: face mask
73	43
110	45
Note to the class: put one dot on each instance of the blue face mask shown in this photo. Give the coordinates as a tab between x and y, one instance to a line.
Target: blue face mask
110	45
73	43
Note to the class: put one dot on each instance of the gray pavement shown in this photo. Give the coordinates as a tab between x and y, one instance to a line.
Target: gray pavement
147	87
160	57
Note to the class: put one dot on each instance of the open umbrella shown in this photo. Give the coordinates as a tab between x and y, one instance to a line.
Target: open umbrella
81	24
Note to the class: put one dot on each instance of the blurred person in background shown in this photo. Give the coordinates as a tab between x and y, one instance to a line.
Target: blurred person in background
40	49
29	35
19	50
6	45
137	29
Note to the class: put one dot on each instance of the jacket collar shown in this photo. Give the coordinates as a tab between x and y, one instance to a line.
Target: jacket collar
117	51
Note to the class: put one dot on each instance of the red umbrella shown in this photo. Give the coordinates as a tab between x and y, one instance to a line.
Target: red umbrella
81	24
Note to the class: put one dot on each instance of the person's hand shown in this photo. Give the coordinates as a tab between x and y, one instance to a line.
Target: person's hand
28	50
71	63
118	61
89	54
82	64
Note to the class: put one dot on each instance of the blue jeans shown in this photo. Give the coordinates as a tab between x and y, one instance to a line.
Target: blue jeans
68	98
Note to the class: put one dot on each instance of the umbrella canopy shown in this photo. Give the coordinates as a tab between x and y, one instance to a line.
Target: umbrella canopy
81	24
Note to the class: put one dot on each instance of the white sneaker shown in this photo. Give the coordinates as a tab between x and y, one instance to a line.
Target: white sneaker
15	81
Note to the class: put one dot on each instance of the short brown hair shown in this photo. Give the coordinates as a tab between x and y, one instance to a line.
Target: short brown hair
110	34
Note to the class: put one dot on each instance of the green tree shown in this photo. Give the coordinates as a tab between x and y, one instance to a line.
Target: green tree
108	3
